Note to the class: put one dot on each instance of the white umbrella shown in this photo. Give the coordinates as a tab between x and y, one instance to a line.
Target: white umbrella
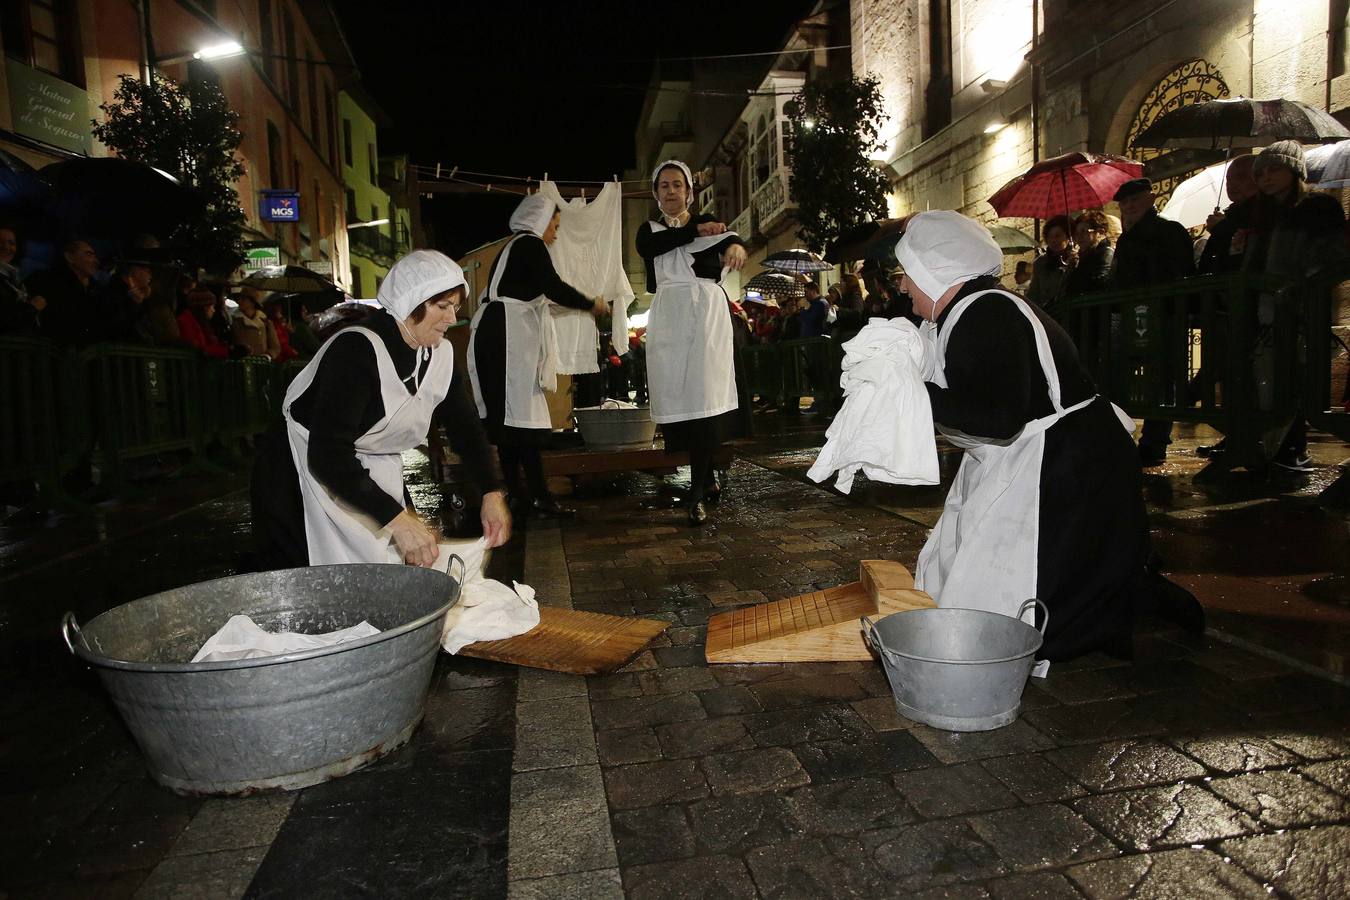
1196	198
1329	166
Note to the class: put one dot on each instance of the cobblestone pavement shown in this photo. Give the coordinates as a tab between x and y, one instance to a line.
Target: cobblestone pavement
1201	769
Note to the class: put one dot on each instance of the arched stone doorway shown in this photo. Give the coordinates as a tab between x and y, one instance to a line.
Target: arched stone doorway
1194	81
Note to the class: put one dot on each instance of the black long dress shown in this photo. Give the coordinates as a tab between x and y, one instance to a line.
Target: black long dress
343	402
1093	545
694	435
529	272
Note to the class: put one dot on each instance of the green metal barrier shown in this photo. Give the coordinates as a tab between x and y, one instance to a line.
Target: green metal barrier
44	430
145	401
1248	332
762	365
811	368
282	376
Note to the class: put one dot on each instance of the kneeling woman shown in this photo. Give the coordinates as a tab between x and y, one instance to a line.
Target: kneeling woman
690	351
513	352
1048	501
330	488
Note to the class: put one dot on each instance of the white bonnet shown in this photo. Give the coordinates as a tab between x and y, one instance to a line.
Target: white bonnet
415	279
941	248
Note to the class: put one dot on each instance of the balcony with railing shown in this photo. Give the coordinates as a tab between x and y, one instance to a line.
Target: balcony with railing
744	224
772	202
374	244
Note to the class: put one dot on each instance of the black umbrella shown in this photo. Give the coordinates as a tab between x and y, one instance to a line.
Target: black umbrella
870	240
1241	122
775	284
290	280
20	184
111	197
795	261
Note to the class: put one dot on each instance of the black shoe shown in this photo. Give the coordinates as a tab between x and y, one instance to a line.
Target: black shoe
549	508
698	513
1151	456
1177	605
1293	461
1207	450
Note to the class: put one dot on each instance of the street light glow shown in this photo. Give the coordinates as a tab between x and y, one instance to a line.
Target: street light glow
367	224
808	124
995	126
220	51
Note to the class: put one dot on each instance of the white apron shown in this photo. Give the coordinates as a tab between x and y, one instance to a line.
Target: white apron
335	532
531	362
983	552
690	366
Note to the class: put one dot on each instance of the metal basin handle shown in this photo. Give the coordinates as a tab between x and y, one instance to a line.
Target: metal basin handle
69	626
463	574
1045	613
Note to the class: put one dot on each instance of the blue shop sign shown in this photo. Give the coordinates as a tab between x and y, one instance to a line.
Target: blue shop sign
280	206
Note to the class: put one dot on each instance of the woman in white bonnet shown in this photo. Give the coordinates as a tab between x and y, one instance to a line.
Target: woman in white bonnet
513	355
1048	501
328	487
690	344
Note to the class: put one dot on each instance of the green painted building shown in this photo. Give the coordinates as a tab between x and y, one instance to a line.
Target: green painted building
373	248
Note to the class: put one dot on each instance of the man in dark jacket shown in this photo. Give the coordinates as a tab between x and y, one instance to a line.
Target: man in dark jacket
121	310
1153	250
69	312
1227	230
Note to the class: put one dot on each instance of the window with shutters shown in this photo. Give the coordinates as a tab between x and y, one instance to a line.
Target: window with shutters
44	34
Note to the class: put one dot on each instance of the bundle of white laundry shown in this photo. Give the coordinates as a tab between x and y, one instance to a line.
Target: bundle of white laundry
487	610
885	428
242	638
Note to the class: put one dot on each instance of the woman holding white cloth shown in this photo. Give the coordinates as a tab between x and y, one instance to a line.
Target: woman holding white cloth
1048	501
513	355
690	352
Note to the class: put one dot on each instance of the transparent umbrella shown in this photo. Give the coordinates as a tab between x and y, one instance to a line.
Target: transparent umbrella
1196	198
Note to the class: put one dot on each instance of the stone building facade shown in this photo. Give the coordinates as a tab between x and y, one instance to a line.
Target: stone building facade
974	98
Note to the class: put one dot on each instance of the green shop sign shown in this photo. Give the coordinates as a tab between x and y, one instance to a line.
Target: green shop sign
261	257
48	109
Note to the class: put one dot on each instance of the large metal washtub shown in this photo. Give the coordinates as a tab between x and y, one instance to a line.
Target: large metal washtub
279	721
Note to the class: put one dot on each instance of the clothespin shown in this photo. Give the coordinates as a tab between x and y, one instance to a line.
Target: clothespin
583	193
616	179
546	176
453	171
489	187
438	171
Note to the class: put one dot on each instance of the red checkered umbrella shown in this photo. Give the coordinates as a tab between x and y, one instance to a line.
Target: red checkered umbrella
1054	187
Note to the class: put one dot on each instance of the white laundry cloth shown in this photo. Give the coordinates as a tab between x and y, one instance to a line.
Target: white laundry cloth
588	254
885	427
611	403
487	610
242	638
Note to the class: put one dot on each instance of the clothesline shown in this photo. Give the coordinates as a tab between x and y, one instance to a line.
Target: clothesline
438	173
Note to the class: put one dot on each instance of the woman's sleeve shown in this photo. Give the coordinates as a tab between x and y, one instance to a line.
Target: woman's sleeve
534	254
458	413
651	244
346	384
988	369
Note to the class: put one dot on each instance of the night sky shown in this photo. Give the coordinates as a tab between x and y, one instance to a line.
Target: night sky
518	88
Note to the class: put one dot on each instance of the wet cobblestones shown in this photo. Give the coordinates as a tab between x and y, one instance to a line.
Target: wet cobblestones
1200	769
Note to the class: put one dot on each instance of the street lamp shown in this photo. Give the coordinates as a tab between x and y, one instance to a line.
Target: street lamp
367	224
223	50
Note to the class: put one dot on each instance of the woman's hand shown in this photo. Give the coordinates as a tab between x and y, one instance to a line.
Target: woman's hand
734	257
496	519
711	229
599	307
416	541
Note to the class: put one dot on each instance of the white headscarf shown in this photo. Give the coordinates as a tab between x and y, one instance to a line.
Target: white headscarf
942	248
416	278
533	215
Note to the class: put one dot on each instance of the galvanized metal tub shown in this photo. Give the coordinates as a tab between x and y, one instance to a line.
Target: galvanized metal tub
607	430
957	669
277	721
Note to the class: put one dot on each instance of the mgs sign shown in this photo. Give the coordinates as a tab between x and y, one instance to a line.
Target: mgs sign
280	206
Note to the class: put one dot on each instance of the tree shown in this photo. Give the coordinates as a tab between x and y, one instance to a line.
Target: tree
192	133
833	125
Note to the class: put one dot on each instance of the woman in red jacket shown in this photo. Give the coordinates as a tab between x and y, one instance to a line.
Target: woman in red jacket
194	324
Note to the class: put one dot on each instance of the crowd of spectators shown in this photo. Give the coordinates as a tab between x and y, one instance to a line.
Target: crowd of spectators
77	302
